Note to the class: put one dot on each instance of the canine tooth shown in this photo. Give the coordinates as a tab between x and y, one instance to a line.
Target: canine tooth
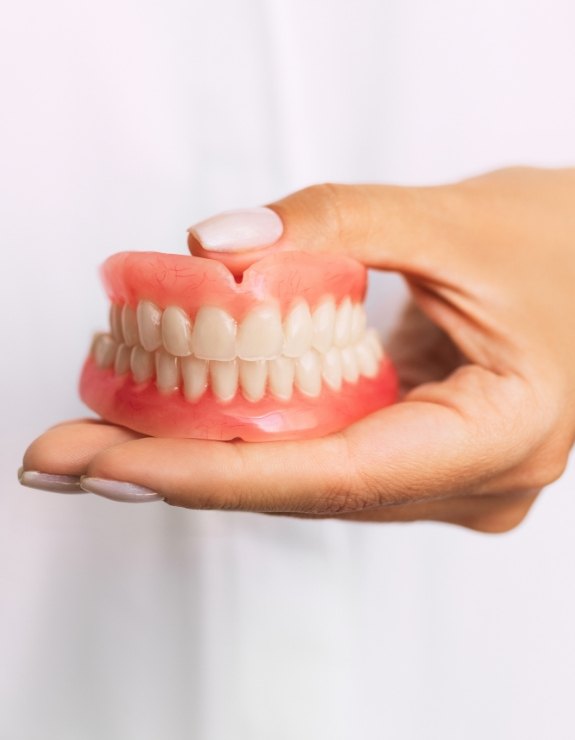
105	350
260	335
358	322
129	326
141	364
122	361
342	331
323	319
331	368
281	372
224	378
367	361
214	335
349	366
116	321
298	331
177	332
167	372
308	373
253	377
195	377
149	318
374	340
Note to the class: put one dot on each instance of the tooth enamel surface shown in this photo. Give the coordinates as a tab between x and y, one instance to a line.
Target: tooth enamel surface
281	371
149	319
308	373
122	360
358	322
177	332
104	350
253	377
298	331
342	331
260	335
323	320
141	364
367	361
116	322
349	366
194	376
129	326
167	372
374	340
214	335
224	379
331	370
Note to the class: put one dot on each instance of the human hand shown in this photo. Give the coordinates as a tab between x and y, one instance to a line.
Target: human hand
486	356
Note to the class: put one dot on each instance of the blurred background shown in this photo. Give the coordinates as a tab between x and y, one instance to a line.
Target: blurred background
123	123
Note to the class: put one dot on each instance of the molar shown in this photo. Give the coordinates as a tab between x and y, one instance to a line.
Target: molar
281	371
214	335
149	318
167	372
224	379
177	332
129	326
298	330
253	377
323	319
308	373
260	335
195	377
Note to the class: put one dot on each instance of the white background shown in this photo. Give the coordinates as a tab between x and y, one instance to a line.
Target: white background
122	123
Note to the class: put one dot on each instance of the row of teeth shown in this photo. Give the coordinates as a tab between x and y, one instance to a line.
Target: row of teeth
253	378
262	334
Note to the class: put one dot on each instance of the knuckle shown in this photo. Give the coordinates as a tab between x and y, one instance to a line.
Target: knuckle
501	518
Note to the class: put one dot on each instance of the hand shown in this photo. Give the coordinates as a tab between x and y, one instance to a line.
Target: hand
486	354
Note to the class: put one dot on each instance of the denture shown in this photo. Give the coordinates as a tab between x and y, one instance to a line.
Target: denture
280	352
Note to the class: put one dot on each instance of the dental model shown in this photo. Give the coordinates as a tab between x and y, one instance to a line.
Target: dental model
283	353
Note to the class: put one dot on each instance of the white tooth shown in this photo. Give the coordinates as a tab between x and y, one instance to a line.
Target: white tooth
141	364
122	361
260	335
367	361
349	365
167	372
281	372
129	326
298	331
214	335
358	322
308	373
224	379
331	368
195	377
177	332
104	350
149	318
323	319
372	336
253	377
343	323
116	321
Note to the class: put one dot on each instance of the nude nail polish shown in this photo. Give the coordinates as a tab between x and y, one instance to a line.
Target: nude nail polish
239	230
116	490
49	481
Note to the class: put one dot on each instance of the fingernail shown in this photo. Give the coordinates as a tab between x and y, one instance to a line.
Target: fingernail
49	482
117	490
239	231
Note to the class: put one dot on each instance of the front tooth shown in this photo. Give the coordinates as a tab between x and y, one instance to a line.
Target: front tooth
343	323
195	377
367	361
141	364
253	377
308	373
224	379
167	372
122	361
105	350
149	318
177	332
358	322
129	326
116	321
260	335
298	331
331	368
281	371
349	365
323	319
214	335
372	336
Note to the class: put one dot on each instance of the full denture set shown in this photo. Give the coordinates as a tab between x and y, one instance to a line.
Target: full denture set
191	352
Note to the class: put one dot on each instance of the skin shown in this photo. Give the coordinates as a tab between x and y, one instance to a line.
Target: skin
485	351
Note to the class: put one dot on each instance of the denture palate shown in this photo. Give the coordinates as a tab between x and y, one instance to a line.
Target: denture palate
263	352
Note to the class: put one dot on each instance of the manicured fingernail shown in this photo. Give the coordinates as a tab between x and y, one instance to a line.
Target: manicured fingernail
50	482
117	490
239	231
